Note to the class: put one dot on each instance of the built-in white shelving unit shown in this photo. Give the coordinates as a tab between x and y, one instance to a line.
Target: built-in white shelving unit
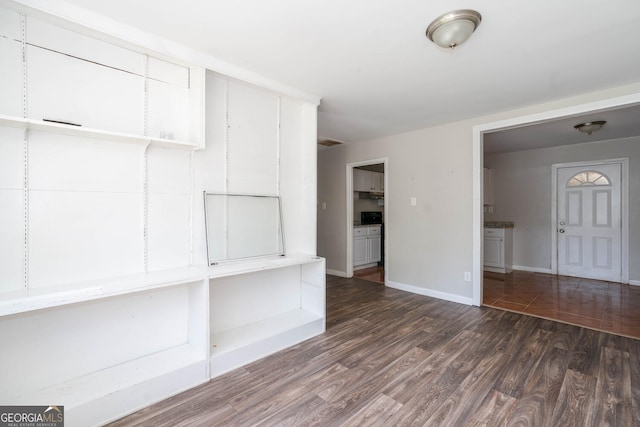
106	297
93	346
262	307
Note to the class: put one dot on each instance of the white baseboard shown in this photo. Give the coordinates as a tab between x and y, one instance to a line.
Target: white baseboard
430	293
634	282
336	273
532	269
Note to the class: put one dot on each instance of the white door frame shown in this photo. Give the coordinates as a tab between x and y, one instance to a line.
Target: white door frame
478	159
349	231
624	206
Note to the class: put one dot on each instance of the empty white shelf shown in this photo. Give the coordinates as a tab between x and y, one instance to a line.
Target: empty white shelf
100	395
239	346
81	131
54	296
233	268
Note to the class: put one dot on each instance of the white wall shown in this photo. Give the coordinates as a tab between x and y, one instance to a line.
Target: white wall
522	193
429	246
421	252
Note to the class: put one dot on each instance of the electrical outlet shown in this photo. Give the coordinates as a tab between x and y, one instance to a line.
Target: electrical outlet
467	276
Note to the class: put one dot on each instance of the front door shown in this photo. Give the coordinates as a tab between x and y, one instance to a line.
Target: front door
589	228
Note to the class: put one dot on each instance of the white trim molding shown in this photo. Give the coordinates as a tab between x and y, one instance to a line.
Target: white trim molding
430	293
478	159
349	222
531	269
336	273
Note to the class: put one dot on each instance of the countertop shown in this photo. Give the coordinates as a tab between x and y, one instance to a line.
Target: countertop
498	224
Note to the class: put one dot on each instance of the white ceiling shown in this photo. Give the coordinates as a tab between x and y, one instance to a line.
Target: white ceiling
376	71
621	123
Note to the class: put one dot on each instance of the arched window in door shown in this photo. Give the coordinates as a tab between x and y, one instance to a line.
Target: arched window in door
588	178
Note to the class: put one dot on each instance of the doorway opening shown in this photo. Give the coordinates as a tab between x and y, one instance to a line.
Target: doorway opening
628	102
367	232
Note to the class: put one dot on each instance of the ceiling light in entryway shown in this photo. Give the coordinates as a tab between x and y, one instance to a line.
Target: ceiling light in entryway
590	127
453	28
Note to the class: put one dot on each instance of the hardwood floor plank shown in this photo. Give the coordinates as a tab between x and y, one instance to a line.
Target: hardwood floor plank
514	338
470	393
613	389
431	368
393	358
541	391
564	336
634	363
358	380
311	413
575	400
190	399
585	356
375	413
268	402
523	364
494	411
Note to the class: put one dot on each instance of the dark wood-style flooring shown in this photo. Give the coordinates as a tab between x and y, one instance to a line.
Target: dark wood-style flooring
391	358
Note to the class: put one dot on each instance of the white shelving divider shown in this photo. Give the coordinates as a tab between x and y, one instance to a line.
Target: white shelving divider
263	306
157	344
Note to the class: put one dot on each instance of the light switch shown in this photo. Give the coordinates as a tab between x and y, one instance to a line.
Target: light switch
324	206
414	201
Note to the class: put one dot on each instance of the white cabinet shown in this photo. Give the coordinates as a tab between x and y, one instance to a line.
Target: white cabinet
72	83
71	90
364	180
367	246
375	248
167	100
498	249
361	180
360	250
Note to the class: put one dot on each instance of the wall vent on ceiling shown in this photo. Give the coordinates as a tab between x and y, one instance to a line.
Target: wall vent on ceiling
329	142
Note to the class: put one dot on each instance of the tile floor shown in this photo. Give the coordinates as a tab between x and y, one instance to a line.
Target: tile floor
604	306
373	274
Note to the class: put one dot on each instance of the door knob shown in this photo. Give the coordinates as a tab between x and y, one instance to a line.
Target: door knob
561	230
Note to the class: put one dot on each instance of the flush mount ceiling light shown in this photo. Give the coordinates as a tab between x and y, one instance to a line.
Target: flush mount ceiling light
590	127
453	28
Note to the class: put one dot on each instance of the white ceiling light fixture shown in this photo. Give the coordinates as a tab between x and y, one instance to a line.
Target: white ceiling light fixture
590	127
453	28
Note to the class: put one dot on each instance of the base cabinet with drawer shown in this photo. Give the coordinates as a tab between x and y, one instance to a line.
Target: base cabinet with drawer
498	250
367	246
